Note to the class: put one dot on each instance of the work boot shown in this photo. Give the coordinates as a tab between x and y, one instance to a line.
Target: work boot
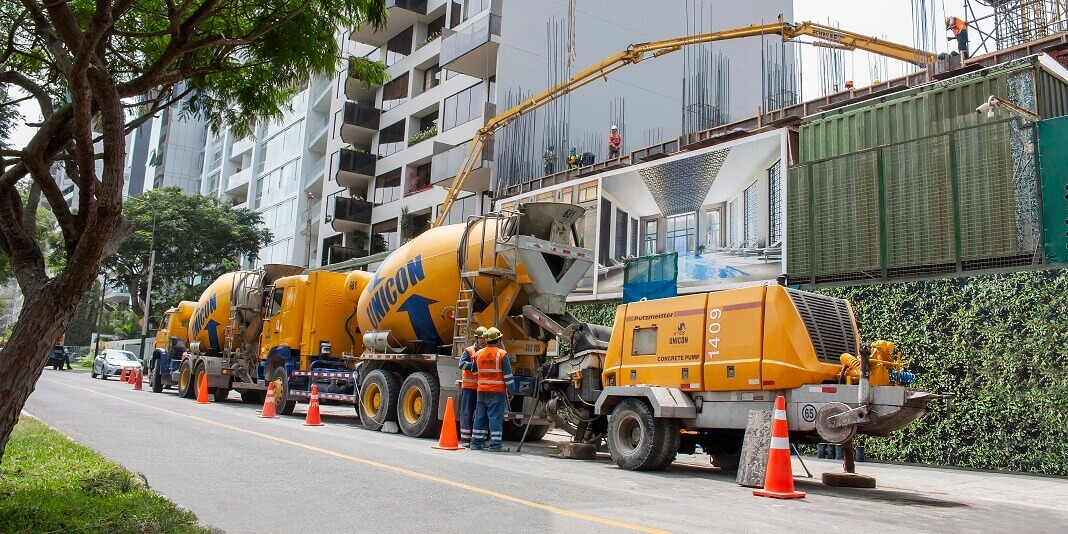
475	446
465	443
496	448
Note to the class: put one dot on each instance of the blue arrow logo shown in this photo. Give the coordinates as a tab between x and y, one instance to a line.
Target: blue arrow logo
418	308
213	334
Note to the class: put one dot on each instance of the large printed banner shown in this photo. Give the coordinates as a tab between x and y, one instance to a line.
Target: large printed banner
720	208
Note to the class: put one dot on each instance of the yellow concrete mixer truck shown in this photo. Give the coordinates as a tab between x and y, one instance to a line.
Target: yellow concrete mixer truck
510	269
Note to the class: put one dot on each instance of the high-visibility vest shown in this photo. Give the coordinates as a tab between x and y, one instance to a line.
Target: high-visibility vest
957	26
491	369
469	379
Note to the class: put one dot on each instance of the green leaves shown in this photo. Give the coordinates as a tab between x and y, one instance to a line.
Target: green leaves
196	239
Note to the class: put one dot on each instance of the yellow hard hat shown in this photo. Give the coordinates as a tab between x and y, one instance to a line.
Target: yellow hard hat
492	334
480	331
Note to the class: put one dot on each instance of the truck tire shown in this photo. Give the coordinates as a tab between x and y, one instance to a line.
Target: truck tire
727	452
185	380
378	398
197	373
155	381
513	431
417	414
252	396
640	442
282	403
220	394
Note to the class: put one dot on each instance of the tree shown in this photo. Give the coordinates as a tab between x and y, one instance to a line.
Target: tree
99	69
196	239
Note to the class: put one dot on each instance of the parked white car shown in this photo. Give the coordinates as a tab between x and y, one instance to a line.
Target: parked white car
111	362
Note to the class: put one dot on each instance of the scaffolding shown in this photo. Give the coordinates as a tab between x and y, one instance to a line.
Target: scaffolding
1015	22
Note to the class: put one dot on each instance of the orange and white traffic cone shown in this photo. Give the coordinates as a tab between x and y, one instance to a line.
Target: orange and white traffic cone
136	378
779	476
448	440
312	418
268	403
202	389
122	377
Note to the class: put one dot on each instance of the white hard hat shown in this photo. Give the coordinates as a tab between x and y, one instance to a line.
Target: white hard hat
614	127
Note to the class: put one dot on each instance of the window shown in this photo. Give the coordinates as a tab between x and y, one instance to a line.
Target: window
418	179
568	195
734	220
681	233
750	223
383	236
433	30
649	247
465	207
432	77
633	237
258	195
387	187
276	301
546	197
775	203
213	182
474	7
335	130
587	192
391	139
399	47
622	218
712	227
462	107
395	92
428	121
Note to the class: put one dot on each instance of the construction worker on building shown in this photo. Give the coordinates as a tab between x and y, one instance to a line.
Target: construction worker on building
549	159
615	142
573	159
469	385
960	33
495	383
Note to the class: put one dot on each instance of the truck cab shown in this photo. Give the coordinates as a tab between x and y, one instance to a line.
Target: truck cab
171	341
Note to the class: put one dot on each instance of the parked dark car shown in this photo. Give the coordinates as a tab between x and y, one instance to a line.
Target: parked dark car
59	357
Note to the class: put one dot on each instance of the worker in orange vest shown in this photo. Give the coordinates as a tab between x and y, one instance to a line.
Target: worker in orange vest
494	384
960	33
469	385
615	143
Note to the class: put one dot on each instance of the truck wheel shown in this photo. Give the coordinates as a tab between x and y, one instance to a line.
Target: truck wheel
417	414
378	399
185	380
155	381
727	453
640	442
220	394
199	371
252	396
282	404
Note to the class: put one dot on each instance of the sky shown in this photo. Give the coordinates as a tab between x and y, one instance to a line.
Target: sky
891	19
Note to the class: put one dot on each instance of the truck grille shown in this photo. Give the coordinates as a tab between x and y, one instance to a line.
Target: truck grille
829	324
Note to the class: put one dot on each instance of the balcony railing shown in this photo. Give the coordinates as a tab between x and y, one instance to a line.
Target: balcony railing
359	118
444	166
474	40
355	168
340	253
352	209
315	172
415	6
239	179
320	127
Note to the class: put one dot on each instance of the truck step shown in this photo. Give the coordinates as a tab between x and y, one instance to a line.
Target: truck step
401	357
324	374
328	396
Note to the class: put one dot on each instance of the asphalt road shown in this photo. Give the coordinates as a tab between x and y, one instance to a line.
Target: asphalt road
240	473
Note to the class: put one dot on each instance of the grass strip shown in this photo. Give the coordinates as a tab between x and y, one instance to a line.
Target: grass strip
48	483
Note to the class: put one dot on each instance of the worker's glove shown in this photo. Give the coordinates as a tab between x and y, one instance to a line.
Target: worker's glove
950	38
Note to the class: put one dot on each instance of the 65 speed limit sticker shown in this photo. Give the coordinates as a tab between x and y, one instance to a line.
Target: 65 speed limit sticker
808	413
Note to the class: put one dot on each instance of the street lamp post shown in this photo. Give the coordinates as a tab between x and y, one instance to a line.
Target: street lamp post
148	292
100	315
308	240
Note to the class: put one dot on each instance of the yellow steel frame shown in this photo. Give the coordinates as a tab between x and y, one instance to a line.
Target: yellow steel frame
828	36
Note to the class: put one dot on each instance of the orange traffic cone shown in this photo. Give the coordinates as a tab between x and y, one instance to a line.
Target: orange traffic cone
268	403
448	440
779	476
313	409
122	377
202	389
136	378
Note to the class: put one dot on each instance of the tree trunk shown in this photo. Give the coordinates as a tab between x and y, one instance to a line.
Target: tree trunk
43	319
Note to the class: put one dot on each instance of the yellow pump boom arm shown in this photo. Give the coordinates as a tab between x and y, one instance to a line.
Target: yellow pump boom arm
636	53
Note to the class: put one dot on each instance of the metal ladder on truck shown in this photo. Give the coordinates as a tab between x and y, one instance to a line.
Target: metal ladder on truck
244	293
487	268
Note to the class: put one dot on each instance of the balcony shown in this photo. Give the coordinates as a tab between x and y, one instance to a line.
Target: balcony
361	122
445	165
340	253
471	48
241	146
355	168
401	15
350	213
237	181
356	89
315	174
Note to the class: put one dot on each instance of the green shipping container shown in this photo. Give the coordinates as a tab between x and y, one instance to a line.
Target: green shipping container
1037	83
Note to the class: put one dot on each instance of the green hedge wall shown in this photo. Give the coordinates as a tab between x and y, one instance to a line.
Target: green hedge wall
998	342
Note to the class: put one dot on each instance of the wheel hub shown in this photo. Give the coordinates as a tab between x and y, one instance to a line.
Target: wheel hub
372	400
